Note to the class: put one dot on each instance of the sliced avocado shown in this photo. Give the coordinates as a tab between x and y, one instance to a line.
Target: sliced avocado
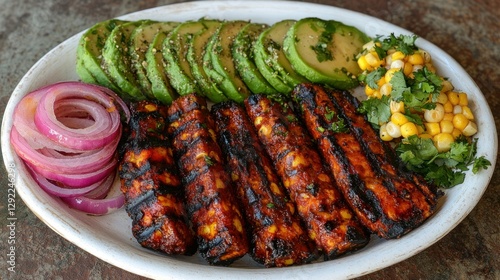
84	73
244	59
219	64
89	52
270	43
117	62
324	51
174	51
140	41
265	67
155	70
196	48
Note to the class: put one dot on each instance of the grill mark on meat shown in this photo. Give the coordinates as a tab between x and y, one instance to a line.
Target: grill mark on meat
299	165
150	183
277	235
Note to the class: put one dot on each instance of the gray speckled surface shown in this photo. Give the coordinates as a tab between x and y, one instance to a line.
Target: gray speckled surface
467	30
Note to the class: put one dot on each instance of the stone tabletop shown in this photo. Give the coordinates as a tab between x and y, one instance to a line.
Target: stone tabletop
467	30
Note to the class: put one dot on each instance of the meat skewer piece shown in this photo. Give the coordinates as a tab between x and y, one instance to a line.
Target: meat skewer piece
277	235
387	201
330	222
388	161
212	208
151	184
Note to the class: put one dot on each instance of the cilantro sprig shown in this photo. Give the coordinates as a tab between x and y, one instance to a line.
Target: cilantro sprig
403	43
443	169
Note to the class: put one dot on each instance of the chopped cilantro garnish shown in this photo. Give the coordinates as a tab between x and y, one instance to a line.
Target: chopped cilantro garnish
403	43
209	161
415	92
377	110
329	114
373	77
339	126
443	169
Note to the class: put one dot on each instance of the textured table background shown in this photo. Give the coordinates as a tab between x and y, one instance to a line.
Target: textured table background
467	30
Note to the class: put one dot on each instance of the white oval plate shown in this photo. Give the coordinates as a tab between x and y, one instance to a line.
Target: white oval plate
109	237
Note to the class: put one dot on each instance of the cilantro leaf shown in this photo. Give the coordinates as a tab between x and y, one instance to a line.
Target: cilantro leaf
403	43
480	163
373	77
399	87
377	110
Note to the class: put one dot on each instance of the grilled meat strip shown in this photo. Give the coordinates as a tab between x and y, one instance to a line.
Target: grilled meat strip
151	184
277	235
389	162
387	200
212	208
330	221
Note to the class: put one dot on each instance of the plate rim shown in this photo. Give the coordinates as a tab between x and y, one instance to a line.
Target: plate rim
75	231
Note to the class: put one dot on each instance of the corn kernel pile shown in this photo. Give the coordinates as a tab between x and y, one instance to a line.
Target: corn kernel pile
450	118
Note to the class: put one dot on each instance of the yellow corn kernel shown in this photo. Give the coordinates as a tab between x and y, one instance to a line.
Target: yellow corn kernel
265	130
420	129
416	59
448	107
448	117
470	129
456	133
467	112
446	86
435	115
207	231
384	135
443	141
425	136
397	64
453	97
462	99
397	106
399	118
369	46
377	94
432	128
426	56
381	82
416	68
346	215
460	121
372	59
386	89
299	160
397	55
272	228
408	129
393	130
362	63
430	67
237	224
446	126
258	120
457	109
442	98
388	75
408	69
368	90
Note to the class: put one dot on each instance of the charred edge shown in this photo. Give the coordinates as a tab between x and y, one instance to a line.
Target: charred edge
389	153
354	187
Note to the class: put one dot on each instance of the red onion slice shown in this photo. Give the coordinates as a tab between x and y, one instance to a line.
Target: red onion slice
95	206
67	134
